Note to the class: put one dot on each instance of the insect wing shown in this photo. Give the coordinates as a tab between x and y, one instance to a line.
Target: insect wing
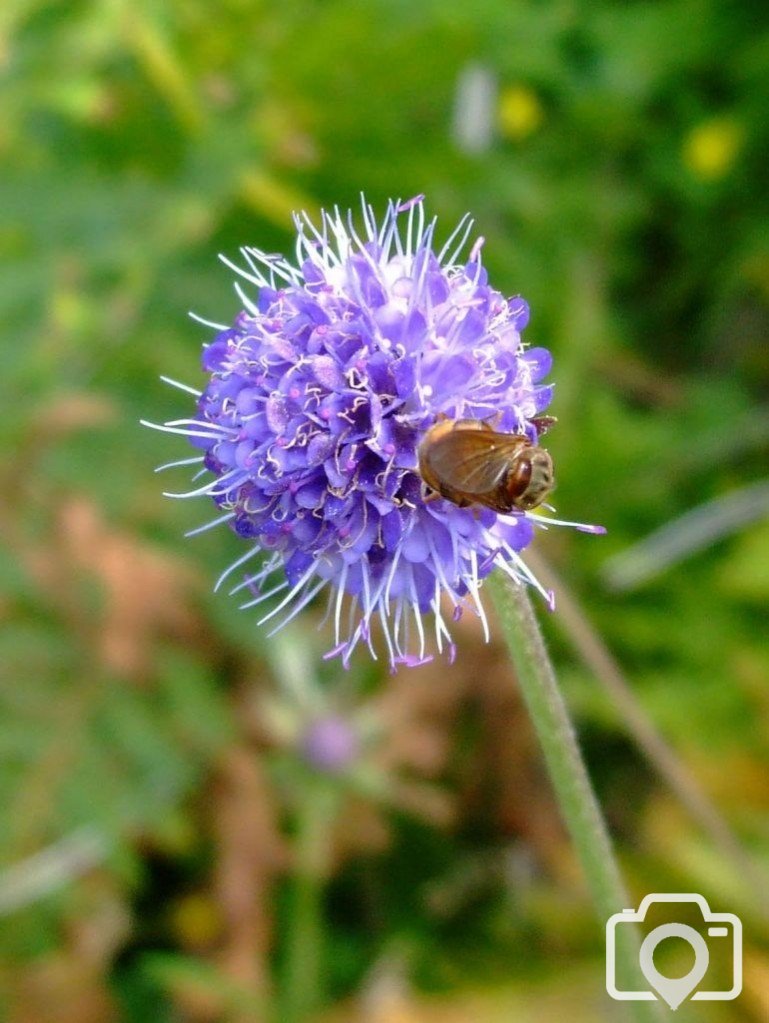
474	461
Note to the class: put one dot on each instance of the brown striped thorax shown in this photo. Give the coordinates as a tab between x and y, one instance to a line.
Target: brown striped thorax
468	462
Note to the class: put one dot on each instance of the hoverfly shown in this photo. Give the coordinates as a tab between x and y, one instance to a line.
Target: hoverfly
468	462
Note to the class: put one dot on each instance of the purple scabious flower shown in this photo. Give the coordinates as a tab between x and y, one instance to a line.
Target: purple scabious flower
316	401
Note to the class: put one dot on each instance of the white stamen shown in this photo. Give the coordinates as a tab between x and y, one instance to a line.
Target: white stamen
523	574
263	596
208	323
417	289
472	585
165	428
181	387
258	578
388	639
543	521
464	227
202	424
443	628
399	616
248	305
299	586
339	599
213	487
253	278
256	549
325	256
182	461
369	218
275	264
300	606
210	525
435	605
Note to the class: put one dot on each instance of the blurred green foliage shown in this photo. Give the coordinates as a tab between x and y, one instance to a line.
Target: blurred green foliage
622	191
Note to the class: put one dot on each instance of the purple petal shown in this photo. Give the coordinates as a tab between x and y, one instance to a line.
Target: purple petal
518	311
416	546
539	361
326	372
278	413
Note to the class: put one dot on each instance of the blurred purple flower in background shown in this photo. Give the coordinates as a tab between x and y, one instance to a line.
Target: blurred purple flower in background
330	744
316	401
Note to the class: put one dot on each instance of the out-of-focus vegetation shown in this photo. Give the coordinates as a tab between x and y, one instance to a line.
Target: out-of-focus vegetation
164	847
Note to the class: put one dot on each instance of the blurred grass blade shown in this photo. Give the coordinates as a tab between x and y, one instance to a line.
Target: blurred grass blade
640	727
692	532
163	68
474	106
51	869
272	199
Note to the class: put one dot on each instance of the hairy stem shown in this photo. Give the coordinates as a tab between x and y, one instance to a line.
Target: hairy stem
574	792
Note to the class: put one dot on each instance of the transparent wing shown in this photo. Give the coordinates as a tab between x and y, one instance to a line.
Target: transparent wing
474	461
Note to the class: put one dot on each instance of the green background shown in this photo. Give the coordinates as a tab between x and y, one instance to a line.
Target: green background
150	739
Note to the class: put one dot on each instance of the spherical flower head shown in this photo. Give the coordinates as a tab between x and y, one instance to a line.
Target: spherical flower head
317	398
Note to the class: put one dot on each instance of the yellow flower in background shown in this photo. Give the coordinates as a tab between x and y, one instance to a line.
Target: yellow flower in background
711	148
196	920
520	112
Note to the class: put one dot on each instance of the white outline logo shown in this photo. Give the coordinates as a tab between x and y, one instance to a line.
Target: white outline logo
674	991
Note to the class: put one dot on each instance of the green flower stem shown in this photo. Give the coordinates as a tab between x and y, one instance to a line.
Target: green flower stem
570	779
303	981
